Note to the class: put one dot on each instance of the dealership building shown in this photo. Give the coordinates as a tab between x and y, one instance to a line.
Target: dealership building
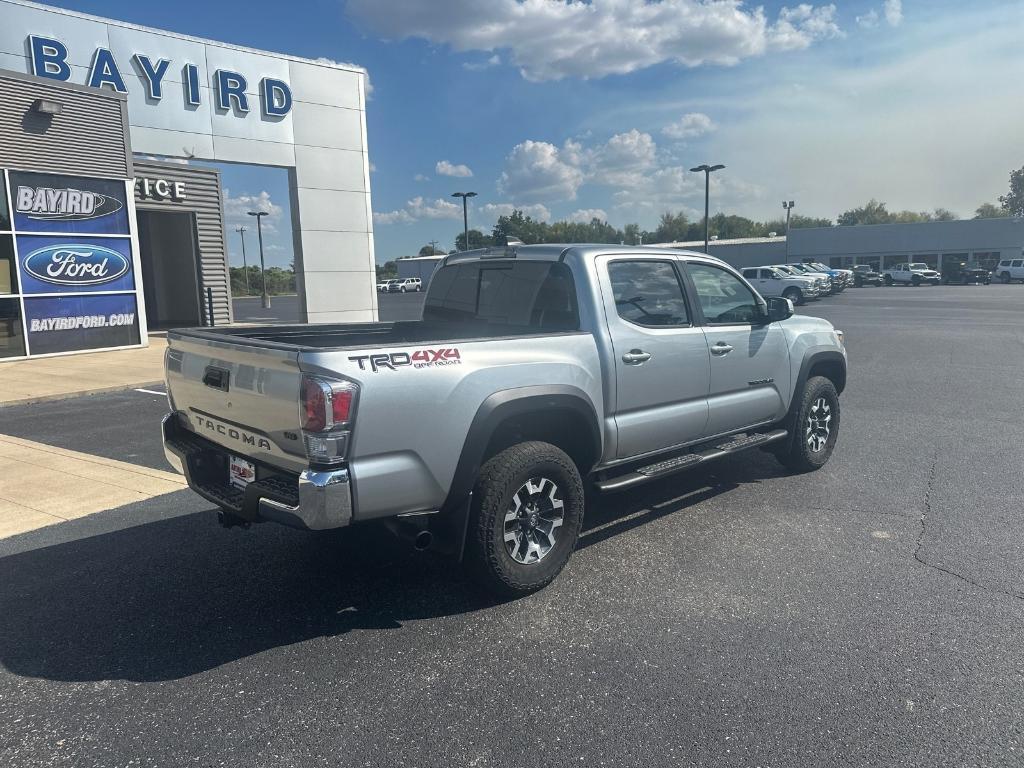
110	226
978	241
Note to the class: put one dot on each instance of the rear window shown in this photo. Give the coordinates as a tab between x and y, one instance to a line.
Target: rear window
504	296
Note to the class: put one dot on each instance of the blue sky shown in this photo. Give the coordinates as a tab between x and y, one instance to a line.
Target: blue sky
573	109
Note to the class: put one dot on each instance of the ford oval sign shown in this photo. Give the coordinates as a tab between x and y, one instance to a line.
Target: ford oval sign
76	264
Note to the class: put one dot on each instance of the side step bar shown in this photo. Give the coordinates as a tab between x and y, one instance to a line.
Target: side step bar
667	467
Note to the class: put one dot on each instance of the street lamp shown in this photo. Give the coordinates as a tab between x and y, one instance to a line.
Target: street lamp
789	207
465	215
263	267
245	264
708	170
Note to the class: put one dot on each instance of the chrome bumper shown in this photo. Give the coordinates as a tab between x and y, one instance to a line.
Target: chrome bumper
318	501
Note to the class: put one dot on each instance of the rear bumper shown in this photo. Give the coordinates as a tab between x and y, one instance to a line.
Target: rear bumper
312	500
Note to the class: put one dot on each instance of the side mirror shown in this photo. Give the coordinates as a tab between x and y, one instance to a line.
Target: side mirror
779	308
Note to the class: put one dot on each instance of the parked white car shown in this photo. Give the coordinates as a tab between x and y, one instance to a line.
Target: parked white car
911	274
770	281
821	279
405	285
382	286
1008	270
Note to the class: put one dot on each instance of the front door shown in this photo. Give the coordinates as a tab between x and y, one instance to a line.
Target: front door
661	356
749	361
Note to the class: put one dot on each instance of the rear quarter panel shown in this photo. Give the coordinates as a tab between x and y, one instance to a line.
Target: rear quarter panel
413	419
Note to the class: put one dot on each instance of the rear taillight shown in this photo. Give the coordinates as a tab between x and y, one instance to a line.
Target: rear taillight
326	413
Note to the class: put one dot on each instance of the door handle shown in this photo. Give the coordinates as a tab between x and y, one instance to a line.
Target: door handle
721	348
636	357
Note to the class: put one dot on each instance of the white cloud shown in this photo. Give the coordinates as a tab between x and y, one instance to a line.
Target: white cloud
798	27
537	170
893	10
477	66
535	211
689	126
373	168
553	39
444	168
420	208
624	157
420	177
869	20
236	210
586	215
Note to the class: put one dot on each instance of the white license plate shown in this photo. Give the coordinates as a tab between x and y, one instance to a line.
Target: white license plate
241	472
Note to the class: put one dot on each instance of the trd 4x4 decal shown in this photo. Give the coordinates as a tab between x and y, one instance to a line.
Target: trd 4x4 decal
420	358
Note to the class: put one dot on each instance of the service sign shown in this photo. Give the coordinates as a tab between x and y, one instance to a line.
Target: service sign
75	264
72	323
50	203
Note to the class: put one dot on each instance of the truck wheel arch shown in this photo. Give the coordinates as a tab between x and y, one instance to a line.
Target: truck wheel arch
541	411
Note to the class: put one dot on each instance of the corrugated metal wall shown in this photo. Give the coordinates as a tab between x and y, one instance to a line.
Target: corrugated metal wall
204	197
88	137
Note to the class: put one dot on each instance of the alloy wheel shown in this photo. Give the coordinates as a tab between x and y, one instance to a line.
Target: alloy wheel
819	425
534	515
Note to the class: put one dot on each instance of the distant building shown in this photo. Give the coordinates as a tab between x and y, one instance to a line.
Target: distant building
979	241
418	266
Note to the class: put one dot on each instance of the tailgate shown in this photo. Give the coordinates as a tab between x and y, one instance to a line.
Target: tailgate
243	397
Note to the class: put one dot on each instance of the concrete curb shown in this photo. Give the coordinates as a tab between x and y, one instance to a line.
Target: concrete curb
79	393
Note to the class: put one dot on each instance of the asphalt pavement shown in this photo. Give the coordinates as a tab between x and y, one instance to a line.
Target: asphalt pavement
866	614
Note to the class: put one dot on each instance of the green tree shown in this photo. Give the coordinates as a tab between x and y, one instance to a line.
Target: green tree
989	211
429	250
1013	201
672	228
873	212
477	239
944	214
521	226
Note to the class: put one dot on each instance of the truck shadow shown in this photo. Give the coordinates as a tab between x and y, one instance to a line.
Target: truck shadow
179	596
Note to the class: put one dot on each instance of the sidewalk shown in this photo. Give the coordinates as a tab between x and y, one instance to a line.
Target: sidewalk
44	485
58	378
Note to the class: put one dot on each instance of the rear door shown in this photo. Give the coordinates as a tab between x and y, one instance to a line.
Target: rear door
749	360
661	355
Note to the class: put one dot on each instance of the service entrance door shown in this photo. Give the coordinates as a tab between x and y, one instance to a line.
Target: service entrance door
171	280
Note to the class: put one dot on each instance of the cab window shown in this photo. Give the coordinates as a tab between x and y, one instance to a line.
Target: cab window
648	293
723	298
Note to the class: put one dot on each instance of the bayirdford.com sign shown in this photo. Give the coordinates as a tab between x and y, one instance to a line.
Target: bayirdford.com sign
49	58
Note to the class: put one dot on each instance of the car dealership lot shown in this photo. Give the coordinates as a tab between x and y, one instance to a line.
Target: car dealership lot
866	614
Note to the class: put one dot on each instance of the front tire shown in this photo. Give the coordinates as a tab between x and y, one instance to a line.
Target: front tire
527	513
1005	278
915	280
794	294
815	427
887	279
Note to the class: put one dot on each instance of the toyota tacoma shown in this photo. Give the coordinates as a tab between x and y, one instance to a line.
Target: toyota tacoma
536	374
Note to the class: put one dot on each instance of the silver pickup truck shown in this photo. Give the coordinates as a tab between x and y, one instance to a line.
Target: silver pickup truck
535	373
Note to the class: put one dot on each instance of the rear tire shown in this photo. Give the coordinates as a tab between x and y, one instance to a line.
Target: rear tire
815	427
527	513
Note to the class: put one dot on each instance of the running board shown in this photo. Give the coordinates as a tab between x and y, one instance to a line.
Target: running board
668	467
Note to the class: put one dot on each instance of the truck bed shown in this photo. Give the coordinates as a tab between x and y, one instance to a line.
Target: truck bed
330	336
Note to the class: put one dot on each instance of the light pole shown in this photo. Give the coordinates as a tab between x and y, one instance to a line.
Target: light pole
465	216
263	267
708	170
245	264
788	205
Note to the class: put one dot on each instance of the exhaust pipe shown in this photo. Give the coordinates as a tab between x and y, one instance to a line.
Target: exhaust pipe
416	534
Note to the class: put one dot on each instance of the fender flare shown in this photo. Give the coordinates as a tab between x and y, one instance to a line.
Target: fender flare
508	403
